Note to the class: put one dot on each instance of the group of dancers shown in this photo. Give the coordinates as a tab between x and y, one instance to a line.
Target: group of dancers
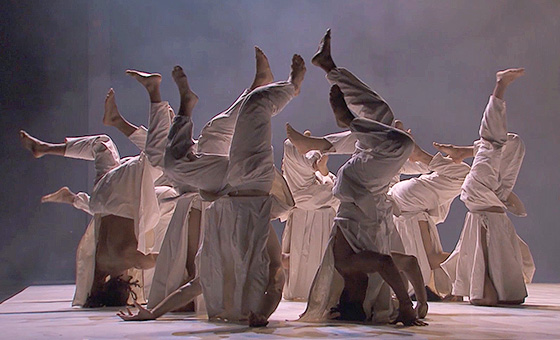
186	224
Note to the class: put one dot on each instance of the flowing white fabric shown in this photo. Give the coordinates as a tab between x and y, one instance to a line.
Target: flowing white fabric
170	270
365	213
234	262
309	224
124	187
498	158
427	198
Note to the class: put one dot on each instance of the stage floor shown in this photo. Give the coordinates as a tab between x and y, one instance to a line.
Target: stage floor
45	312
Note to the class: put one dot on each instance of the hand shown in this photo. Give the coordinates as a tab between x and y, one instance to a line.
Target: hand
141	315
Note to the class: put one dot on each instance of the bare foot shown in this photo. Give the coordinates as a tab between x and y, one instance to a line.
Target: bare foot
257	320
148	80
509	75
188	97
37	147
321	165
456	153
322	57
421	310
62	195
263	75
304	144
111	116
341	111
297	72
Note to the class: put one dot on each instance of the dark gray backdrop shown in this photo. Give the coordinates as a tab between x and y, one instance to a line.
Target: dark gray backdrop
433	61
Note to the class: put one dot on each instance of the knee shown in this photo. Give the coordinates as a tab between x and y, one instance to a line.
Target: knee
103	143
514	142
385	261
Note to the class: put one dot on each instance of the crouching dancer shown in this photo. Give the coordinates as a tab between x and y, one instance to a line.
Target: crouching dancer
349	285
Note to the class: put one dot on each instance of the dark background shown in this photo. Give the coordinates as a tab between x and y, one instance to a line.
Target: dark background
433	61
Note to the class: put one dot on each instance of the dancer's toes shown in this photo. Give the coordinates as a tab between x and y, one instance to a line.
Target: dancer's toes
297	72
322	57
263	74
35	146
188	97
509	75
342	113
111	116
62	195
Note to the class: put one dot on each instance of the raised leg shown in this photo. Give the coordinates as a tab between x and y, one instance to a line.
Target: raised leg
251	167
112	116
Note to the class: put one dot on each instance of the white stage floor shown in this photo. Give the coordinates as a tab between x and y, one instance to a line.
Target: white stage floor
45	312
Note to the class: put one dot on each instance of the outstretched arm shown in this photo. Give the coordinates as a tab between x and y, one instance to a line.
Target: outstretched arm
179	298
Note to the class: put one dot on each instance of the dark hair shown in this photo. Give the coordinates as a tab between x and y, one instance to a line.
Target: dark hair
113	293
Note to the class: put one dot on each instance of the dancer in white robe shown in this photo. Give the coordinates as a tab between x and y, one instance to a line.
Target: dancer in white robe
308	226
422	203
125	209
490	264
240	266
357	265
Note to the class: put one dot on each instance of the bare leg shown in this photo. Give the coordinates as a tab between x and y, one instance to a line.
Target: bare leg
276	278
304	144
193	240
322	57
263	75
188	97
435	259
490	295
456	153
150	81
504	78
62	195
112	116
39	148
342	113
347	262
408	265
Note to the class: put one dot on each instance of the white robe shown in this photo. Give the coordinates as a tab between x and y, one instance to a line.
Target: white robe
233	261
123	187
309	224
365	213
428	198
498	158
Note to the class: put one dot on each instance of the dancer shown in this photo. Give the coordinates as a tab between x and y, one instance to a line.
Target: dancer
359	247
422	203
490	264
309	224
253	289
125	209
